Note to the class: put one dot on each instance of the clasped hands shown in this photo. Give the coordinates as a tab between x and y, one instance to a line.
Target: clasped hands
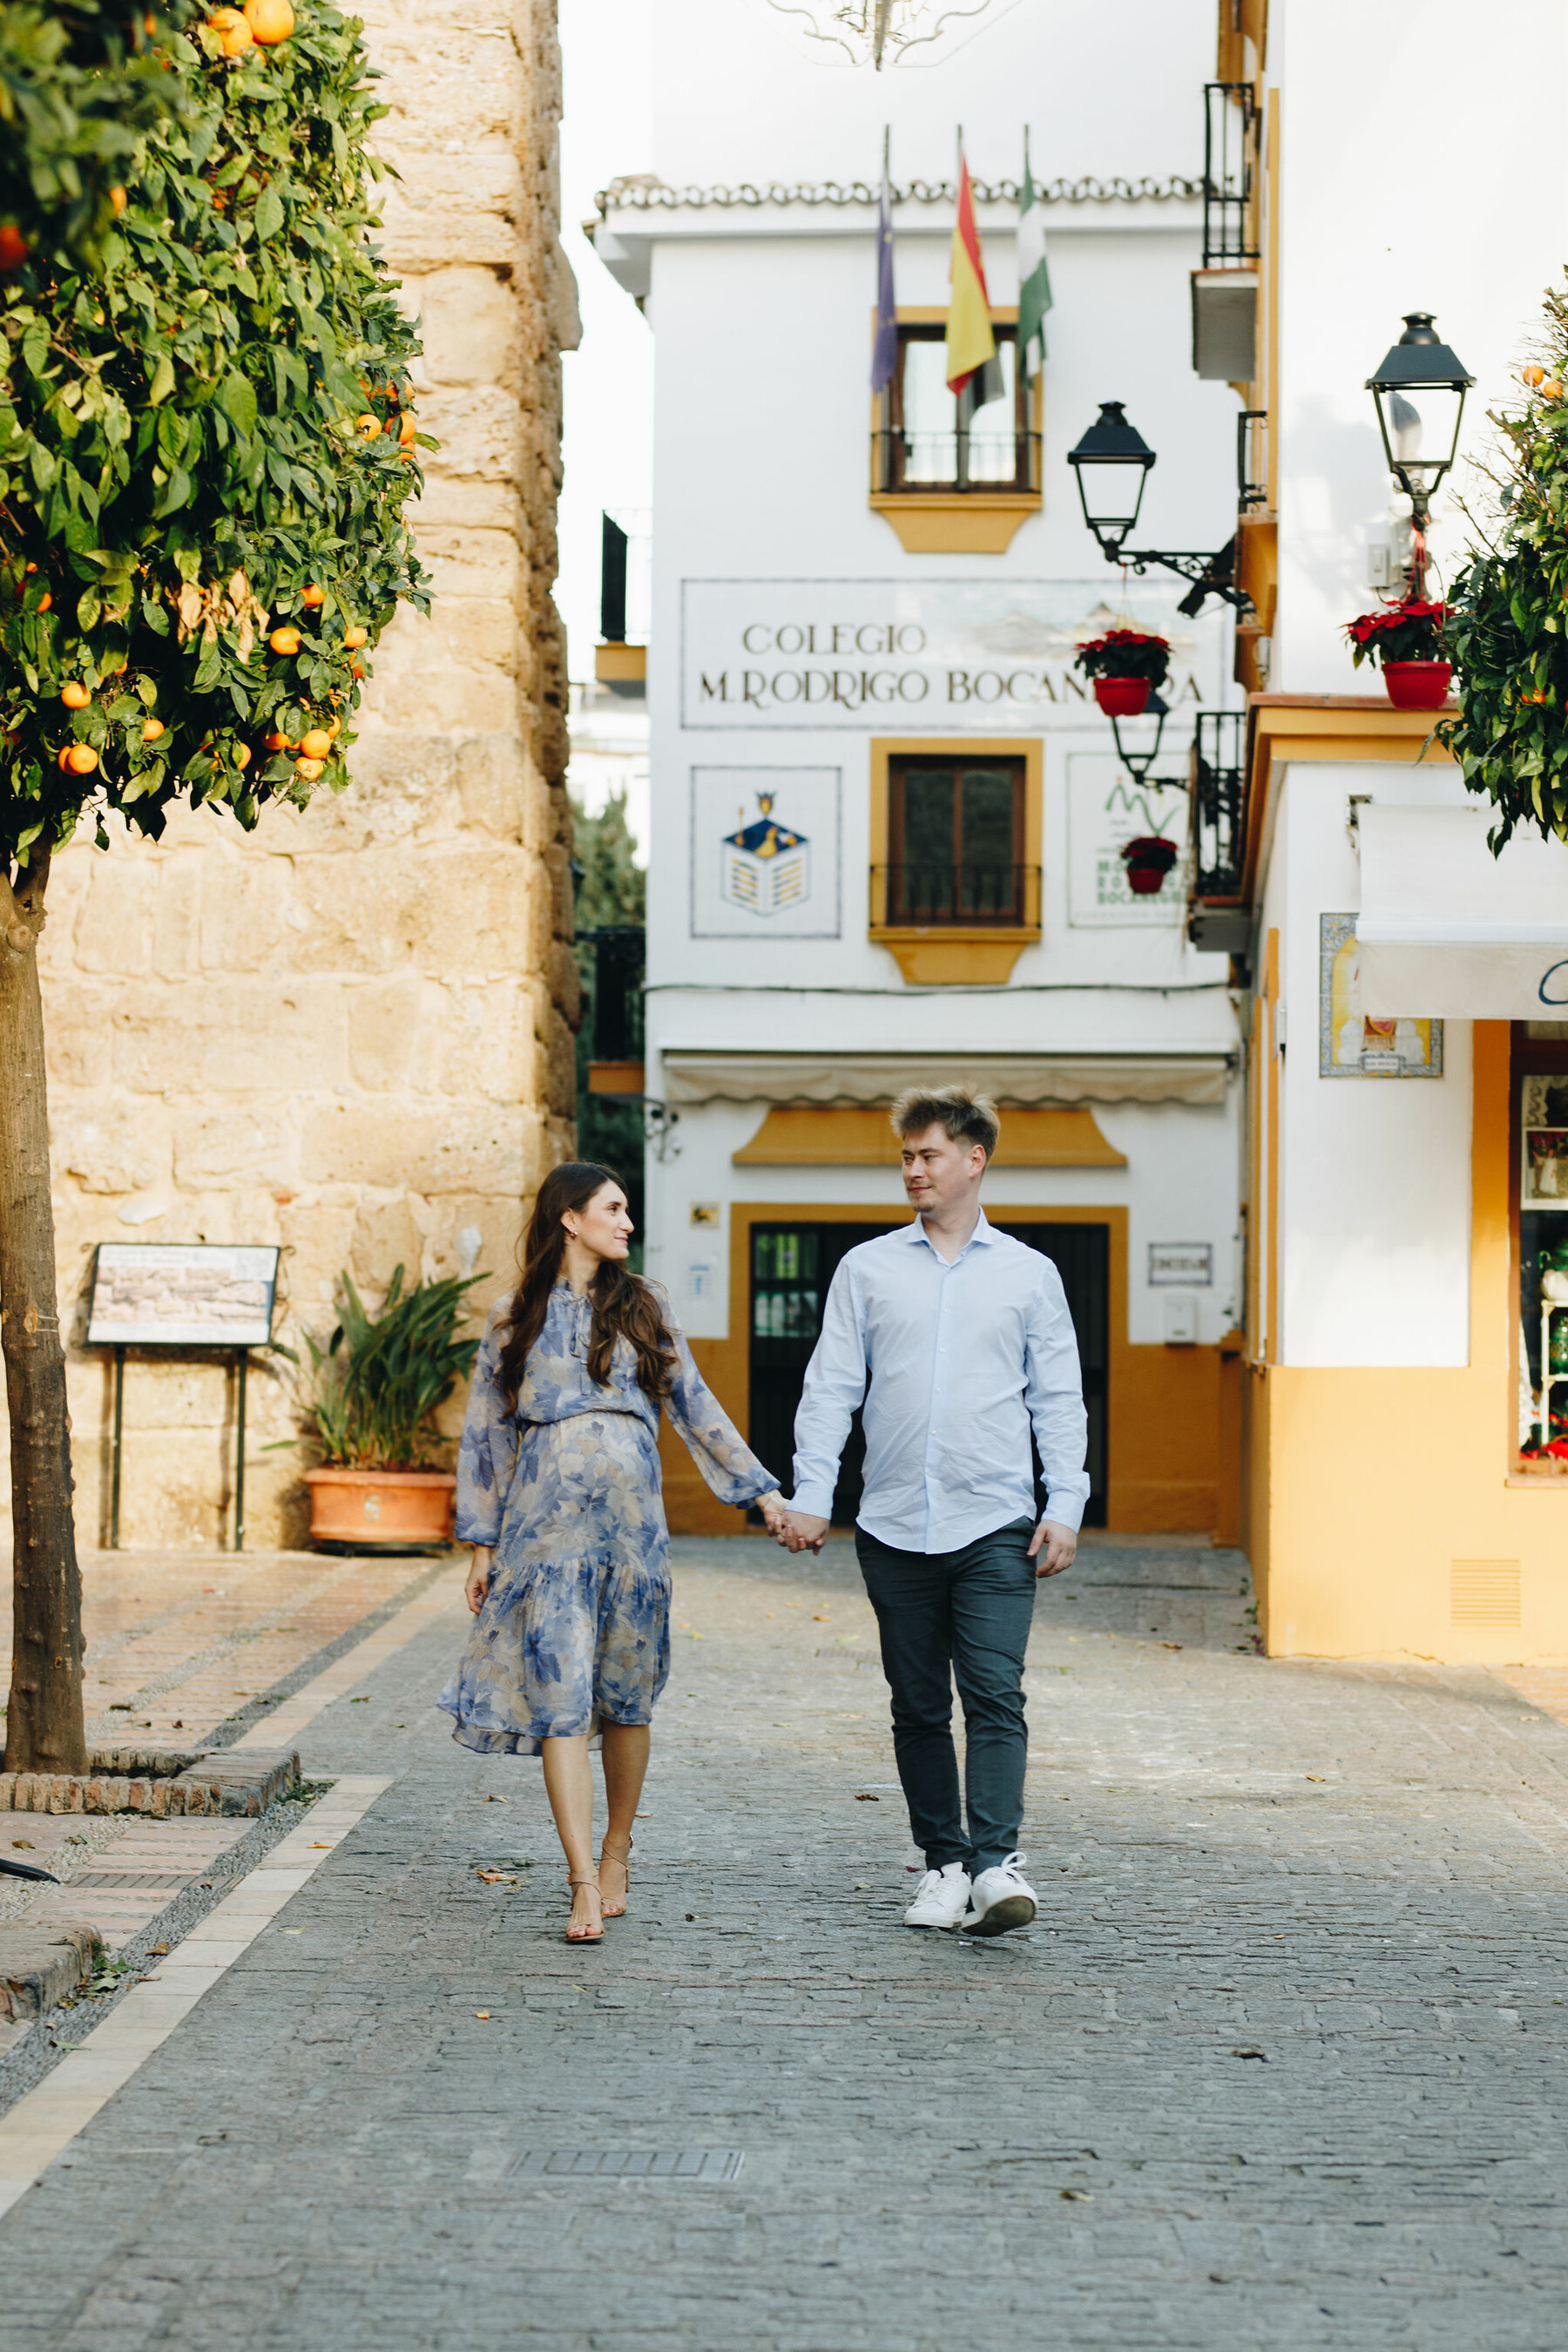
1052	1547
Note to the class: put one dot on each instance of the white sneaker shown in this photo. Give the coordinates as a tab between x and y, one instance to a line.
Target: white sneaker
1000	1899
941	1898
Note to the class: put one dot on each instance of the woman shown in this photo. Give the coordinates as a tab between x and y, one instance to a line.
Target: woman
558	1491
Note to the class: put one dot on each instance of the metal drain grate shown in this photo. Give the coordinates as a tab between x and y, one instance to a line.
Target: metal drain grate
632	2163
161	1881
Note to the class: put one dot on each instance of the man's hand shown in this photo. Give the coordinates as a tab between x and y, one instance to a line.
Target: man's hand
1060	1547
801	1532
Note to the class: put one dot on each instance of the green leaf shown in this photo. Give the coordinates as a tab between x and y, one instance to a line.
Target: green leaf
162	382
238	398
269	214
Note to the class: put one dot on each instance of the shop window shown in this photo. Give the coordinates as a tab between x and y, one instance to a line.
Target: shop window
977	441
956	842
1540	1188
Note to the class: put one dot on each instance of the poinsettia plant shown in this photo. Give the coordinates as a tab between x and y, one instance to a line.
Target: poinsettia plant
1125	653
1411	630
1508	609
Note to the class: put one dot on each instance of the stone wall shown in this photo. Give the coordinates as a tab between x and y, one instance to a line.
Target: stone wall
351	1033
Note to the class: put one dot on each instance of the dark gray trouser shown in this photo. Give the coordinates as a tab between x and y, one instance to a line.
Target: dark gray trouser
963	1616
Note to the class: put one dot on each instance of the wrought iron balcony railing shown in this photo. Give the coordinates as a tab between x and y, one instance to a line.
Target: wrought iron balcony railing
975	462
1231	123
1252	459
935	896
1218	814
620	953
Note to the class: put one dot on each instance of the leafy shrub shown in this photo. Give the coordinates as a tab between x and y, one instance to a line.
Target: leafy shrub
382	1378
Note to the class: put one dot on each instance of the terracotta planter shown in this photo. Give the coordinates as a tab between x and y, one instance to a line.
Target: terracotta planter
1147	881
1121	697
1147	861
381	1510
1417	685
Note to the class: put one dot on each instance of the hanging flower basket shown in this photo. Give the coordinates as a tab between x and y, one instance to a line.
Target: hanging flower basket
1147	860
1122	698
1405	640
1126	666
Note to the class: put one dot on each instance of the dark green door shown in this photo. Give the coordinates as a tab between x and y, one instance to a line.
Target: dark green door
792	1266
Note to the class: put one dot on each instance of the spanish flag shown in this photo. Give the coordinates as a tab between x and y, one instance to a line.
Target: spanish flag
970	341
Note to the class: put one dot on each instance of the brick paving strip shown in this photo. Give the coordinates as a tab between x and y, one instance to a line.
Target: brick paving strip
1281	2064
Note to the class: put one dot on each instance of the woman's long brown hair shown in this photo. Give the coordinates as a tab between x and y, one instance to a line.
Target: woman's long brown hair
624	1306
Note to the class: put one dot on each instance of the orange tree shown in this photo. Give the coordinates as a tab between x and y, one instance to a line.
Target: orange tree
206	445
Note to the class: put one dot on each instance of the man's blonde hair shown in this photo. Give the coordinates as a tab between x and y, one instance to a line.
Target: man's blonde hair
967	1117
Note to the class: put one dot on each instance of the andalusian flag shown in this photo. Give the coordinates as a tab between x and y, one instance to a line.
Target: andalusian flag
970	341
1034	278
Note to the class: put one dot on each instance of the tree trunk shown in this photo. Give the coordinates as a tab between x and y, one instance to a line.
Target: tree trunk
45	1731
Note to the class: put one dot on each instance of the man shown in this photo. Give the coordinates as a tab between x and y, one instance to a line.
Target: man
967	1340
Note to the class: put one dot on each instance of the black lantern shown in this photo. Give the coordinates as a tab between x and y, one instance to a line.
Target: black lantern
1112	463
1420	395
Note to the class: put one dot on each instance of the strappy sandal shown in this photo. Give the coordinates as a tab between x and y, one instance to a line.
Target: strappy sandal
586	1934
616	1906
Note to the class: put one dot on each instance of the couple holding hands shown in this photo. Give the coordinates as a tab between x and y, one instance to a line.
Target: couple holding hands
958	1341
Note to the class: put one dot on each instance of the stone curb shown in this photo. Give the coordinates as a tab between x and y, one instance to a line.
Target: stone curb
38	1966
160	1783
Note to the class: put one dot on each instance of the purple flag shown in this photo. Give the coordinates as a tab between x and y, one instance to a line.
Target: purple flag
884	350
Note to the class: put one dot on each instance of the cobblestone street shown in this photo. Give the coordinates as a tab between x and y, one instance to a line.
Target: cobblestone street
1281	2063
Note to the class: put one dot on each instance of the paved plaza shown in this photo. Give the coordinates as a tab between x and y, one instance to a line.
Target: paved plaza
1281	2063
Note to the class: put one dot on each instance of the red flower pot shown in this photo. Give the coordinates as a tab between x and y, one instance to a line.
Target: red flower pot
1148	881
1121	697
1417	685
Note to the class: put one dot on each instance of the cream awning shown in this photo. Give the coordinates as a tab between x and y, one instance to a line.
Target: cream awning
692	1077
1446	928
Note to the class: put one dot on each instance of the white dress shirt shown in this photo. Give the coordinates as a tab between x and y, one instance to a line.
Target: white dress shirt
962	1359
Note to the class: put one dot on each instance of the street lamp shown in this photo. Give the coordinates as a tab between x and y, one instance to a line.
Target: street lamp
1420	437
1112	463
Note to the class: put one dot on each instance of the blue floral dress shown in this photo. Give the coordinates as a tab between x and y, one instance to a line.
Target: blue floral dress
574	1631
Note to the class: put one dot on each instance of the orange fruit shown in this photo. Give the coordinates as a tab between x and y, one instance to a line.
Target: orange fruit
151	729
368	425
75	696
117	198
231	31
242	755
311	596
358	669
13	245
354	638
279	743
269	20
334	730
309	769
1552	389
406	430
80	759
315	743
1532	375
45	601
284	641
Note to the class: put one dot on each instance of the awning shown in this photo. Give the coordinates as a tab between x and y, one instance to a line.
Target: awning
1446	928
691	1076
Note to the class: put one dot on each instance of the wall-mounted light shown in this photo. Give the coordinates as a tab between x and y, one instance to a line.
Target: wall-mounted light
1112	463
1419	391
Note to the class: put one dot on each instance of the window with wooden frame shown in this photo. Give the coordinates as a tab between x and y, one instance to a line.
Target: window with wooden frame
955	841
977	442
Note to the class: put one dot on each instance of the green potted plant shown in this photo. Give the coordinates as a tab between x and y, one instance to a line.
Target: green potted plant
1406	640
380	1382
1126	666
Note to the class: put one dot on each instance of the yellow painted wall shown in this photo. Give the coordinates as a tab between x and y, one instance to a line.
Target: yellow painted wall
1362	1488
1164	1405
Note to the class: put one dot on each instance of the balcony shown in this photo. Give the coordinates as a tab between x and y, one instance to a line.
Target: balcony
1225	290
955	924
616	1014
1218	922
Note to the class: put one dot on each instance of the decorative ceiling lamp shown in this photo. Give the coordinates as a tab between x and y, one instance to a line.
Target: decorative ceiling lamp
884	32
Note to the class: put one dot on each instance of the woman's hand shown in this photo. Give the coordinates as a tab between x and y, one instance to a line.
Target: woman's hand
772	1506
477	1582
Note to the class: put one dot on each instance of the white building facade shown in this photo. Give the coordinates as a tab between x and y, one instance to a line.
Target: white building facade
885	813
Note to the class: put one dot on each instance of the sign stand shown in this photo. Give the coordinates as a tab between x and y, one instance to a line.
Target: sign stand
198	1296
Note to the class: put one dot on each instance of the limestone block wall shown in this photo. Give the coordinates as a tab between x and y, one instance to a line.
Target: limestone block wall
351	1033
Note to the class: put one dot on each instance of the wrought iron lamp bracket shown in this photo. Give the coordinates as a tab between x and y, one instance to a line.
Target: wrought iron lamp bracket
1198	569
